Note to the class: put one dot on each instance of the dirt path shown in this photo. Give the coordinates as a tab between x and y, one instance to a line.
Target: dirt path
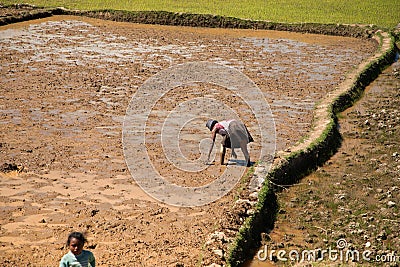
353	198
65	86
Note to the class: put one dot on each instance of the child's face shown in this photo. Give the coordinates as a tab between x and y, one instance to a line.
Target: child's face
75	246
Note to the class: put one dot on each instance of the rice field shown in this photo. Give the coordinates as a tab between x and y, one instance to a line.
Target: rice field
383	13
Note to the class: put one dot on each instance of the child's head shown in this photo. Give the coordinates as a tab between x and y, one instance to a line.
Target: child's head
75	242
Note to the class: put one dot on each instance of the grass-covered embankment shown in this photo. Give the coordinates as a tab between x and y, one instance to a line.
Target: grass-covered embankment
192	20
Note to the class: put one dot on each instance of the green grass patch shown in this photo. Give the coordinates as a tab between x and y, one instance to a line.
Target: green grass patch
244	181
384	13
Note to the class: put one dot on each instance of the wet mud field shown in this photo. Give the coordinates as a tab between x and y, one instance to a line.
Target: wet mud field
65	85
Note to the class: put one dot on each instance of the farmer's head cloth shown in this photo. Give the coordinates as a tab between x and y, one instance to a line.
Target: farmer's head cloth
210	124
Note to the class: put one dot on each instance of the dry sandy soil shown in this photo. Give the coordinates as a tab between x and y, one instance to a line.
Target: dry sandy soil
65	84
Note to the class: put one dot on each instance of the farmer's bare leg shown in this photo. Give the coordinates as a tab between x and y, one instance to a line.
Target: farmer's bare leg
222	154
234	153
243	146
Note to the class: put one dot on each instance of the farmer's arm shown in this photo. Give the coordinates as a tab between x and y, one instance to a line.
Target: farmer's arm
213	135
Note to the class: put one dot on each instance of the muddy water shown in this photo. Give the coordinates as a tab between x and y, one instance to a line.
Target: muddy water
65	86
293	70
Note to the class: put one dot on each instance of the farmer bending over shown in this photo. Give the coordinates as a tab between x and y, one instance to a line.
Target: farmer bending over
234	135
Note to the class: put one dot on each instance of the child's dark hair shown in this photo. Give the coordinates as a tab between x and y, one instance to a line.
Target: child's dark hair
78	236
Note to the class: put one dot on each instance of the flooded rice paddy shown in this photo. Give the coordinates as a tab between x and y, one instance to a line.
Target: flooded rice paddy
66	83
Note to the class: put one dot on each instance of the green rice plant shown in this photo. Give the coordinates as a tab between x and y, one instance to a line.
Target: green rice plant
384	13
